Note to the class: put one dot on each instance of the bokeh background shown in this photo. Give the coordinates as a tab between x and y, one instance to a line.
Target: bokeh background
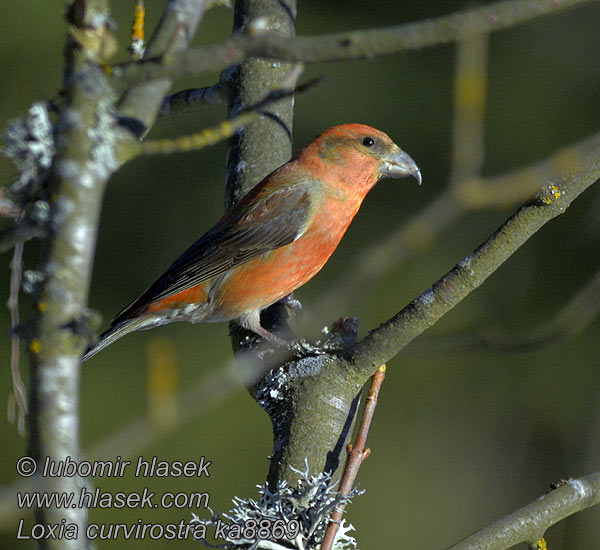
460	438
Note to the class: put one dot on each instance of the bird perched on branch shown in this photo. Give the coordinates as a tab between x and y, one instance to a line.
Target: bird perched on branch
276	238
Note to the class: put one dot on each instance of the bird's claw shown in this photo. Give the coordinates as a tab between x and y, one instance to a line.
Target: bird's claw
291	303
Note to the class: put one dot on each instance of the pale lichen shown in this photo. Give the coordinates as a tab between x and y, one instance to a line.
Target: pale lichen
29	143
297	516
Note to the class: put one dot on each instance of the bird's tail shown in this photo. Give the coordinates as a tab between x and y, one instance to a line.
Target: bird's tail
115	332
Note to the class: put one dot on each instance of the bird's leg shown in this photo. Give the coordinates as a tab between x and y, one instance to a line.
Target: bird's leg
251	321
270	337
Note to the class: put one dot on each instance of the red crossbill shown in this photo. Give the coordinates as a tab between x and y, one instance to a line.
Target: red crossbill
276	238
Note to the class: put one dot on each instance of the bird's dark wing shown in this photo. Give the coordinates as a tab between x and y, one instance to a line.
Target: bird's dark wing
263	220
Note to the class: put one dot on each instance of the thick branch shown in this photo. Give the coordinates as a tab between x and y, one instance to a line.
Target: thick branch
265	145
342	46
387	340
529	523
81	168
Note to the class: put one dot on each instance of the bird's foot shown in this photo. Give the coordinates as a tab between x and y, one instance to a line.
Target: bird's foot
340	335
272	338
291	303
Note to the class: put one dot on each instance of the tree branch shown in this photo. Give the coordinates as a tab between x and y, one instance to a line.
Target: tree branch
83	163
18	398
528	524
226	129
470	90
575	316
340	46
556	196
187	101
138	108
357	454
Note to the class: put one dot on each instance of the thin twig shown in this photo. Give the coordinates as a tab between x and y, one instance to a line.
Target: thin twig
187	100
357	453
199	140
340	46
554	199
18	389
136	39
211	136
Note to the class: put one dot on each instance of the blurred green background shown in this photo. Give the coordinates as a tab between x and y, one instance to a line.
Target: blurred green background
460	438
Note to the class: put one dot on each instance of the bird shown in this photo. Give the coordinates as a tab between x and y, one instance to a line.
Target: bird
273	240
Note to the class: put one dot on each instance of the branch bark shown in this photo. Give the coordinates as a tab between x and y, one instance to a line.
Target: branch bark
554	199
315	397
267	144
341	46
528	524
139	106
83	163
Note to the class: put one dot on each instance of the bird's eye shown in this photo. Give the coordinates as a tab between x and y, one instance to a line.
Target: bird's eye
368	142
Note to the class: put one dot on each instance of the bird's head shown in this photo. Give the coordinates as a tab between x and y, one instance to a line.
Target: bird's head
359	153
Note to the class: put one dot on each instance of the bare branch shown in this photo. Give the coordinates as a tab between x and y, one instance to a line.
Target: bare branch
199	140
528	524
357	453
84	161
186	101
19	393
211	136
387	340
139	106
470	87
579	312
340	46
